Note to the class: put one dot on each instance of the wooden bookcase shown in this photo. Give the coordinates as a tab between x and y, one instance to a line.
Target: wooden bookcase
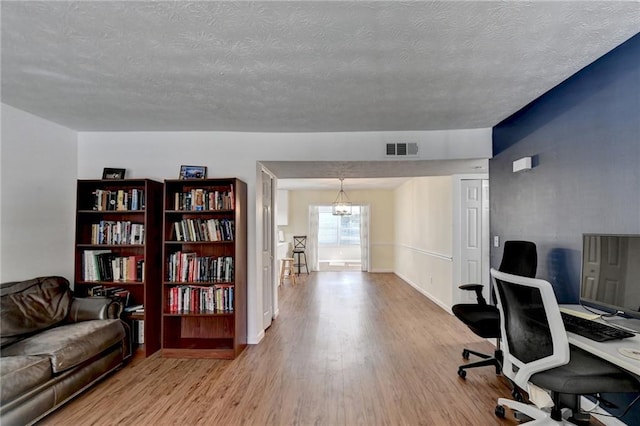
204	295
122	218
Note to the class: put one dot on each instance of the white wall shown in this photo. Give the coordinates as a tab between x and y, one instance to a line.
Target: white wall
424	236
158	155
37	201
42	160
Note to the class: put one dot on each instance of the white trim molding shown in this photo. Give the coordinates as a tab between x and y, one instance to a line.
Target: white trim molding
427	252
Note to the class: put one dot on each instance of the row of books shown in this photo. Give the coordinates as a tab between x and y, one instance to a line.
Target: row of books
203	199
113	292
189	267
199	299
138	332
117	232
103	265
118	200
195	230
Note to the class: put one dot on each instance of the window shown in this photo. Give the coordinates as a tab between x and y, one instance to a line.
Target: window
338	230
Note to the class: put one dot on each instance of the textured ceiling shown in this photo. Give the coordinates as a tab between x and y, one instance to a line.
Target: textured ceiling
297	66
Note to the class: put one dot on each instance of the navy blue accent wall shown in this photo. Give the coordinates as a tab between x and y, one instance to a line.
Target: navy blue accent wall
584	137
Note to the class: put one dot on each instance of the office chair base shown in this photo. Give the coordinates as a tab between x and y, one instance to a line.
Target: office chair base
495	360
537	416
466	352
485	362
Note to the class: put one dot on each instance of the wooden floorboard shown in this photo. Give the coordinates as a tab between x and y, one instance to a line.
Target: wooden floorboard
348	348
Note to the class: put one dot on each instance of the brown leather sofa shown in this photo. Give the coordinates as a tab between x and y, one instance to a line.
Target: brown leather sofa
53	346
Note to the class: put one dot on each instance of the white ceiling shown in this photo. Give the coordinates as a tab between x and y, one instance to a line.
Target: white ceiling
297	66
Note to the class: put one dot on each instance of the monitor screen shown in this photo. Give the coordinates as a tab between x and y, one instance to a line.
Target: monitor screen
611	273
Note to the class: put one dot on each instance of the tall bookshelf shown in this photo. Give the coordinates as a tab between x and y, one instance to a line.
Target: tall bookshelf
118	246
204	294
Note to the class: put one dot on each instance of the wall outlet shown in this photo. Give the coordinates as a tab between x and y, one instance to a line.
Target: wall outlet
496	241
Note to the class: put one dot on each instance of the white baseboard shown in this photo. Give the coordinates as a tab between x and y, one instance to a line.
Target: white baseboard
256	339
381	271
426	294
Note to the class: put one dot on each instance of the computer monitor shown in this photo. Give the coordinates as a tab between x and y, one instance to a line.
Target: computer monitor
611	273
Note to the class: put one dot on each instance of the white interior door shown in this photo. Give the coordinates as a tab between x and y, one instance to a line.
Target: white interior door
474	236
267	249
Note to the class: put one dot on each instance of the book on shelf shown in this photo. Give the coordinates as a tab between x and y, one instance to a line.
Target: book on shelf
104	265
138	332
113	232
90	268
203	230
201	299
189	267
139	308
118	293
199	199
118	200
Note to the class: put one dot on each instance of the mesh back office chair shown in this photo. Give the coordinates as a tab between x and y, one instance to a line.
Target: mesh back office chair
299	247
537	351
520	258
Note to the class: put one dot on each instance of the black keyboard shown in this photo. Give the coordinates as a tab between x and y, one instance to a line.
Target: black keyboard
593	330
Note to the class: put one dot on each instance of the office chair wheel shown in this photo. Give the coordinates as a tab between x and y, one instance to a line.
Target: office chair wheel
465	354
500	412
517	395
462	373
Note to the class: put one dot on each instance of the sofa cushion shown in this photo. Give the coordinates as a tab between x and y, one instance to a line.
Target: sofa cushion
19	374
33	305
71	344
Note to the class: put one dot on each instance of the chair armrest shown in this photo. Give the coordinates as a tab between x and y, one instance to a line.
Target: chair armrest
478	289
92	308
471	287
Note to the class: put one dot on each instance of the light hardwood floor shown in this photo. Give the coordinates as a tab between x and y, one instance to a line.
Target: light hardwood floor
348	348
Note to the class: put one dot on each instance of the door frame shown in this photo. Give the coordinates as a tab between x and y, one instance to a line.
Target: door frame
458	221
274	270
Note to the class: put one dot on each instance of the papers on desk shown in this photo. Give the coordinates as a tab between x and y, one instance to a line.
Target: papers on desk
585	315
630	352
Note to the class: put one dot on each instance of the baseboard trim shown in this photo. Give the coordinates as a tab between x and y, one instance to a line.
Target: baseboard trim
256	339
426	293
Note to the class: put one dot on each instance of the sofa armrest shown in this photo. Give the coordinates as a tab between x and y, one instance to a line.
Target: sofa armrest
92	308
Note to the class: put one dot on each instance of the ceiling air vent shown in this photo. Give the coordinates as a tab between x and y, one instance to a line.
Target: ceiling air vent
402	149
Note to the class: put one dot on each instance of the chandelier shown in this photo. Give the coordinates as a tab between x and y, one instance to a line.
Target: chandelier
342	204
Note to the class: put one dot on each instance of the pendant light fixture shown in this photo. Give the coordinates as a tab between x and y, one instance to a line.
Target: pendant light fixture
342	204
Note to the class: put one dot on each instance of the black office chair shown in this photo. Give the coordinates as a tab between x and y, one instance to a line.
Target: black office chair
299	254
537	352
520	258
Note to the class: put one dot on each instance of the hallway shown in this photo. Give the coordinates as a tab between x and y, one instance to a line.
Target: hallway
348	348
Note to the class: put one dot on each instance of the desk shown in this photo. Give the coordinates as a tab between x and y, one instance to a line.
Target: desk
607	350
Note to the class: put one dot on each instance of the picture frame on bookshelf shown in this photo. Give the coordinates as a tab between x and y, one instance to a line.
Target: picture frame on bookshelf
193	172
111	173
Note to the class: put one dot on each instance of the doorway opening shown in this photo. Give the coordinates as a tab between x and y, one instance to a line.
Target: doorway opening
339	240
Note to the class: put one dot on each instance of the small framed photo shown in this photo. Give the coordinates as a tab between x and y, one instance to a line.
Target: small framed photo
109	173
193	172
